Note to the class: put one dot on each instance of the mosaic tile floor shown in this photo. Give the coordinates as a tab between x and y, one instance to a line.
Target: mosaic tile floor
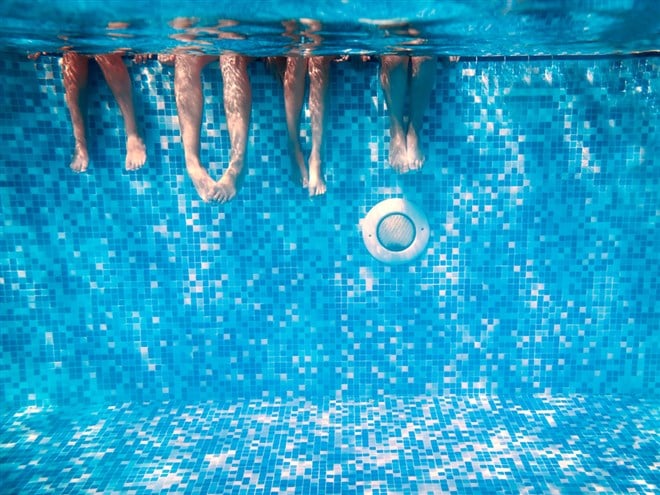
449	444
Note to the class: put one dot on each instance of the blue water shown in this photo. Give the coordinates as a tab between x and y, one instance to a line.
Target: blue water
151	343
450	27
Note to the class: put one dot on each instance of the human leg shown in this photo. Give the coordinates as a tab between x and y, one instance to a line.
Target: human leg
294	93
237	95
394	81
189	104
75	70
422	83
319	72
116	75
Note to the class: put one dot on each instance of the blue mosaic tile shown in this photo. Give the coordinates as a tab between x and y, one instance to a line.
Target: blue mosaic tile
448	444
152	343
541	188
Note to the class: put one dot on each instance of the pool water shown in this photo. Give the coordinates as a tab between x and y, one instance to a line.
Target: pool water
152	343
454	27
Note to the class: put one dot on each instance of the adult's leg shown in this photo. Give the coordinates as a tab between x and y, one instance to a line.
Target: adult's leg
117	77
422	82
294	93
394	81
189	104
75	70
237	94
319	74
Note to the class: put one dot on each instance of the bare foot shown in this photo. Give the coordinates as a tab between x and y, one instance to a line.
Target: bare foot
415	157
80	159
225	189
136	153
317	184
398	154
202	181
299	173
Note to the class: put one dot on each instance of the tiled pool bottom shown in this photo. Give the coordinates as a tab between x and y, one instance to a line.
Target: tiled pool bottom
448	444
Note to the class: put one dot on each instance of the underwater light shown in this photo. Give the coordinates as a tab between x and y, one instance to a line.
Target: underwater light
395	231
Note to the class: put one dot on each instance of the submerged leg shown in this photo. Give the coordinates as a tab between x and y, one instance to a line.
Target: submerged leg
117	77
423	80
294	93
75	70
319	72
394	80
237	94
189	103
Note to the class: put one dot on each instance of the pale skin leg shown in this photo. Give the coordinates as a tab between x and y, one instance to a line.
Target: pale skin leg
421	86
116	75
394	81
294	93
319	71
189	104
237	95
75	70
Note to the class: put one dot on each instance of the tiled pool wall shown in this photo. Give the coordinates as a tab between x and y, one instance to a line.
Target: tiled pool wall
541	187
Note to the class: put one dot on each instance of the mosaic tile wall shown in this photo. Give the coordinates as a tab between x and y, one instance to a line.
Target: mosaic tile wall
542	190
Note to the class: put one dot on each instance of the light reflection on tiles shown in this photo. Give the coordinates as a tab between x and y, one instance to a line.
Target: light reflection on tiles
450	444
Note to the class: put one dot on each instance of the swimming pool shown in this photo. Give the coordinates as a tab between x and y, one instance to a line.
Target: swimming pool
155	343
